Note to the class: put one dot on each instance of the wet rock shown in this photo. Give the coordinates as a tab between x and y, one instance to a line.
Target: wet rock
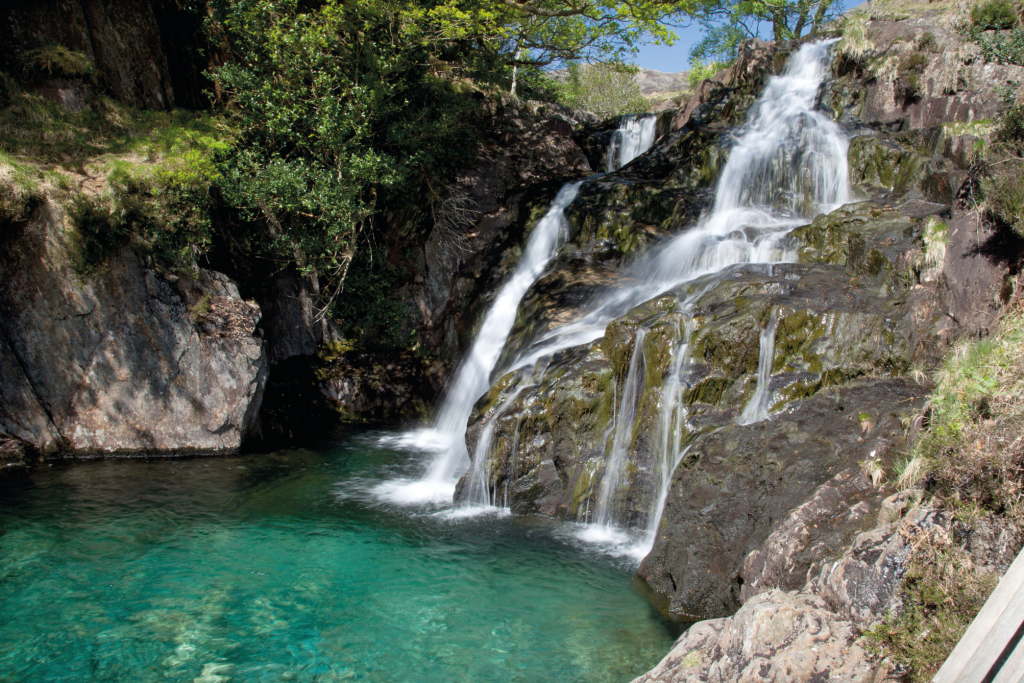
122	361
379	386
739	484
727	95
863	585
528	154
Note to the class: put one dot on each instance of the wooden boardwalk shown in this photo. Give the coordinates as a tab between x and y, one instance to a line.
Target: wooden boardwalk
992	649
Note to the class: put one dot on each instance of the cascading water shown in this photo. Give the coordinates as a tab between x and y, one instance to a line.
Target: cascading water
758	405
625	417
447	436
634	136
786	165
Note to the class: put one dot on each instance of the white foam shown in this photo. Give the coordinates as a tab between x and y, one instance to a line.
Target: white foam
414	492
612	541
471	511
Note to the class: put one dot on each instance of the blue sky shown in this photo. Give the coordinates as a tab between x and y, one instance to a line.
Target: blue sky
677	57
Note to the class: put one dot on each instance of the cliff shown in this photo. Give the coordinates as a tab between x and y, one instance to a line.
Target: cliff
125	360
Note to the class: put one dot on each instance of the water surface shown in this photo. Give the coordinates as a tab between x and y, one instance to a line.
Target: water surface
278	567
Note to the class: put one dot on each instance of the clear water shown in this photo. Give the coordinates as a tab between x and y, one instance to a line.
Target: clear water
279	567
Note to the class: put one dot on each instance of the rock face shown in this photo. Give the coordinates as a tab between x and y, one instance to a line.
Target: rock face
527	156
813	632
121	361
145	51
777	636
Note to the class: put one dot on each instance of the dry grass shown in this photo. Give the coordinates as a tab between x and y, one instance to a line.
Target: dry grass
973	451
943	591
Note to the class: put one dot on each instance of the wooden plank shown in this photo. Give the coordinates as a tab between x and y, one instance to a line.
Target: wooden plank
1013	668
991	630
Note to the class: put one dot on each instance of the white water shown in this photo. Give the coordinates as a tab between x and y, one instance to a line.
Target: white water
446	438
634	136
625	417
786	165
758	405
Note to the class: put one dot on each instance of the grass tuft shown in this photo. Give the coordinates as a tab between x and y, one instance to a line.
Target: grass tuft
942	593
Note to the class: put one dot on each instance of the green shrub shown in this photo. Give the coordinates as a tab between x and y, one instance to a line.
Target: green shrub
1011	128
994	15
1004	192
927	42
98	233
604	89
700	72
369	310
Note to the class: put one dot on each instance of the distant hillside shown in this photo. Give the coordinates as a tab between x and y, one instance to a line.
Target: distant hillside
657	82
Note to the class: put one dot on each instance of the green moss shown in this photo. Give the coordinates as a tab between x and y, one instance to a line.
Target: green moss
56	60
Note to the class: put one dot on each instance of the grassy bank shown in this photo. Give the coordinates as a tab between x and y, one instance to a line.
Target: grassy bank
969	460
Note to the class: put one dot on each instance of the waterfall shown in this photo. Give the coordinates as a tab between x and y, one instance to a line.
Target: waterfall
481	490
446	438
622	440
634	136
786	165
758	405
670	424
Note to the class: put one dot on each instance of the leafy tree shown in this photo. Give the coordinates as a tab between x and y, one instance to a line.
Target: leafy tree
546	32
726	23
334	105
345	106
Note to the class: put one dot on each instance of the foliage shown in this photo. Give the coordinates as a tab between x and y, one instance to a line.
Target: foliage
994	15
334	106
98	233
908	83
35	127
942	593
927	43
162	209
726	23
1003	190
605	89
19	189
546	32
973	450
55	60
700	72
370	310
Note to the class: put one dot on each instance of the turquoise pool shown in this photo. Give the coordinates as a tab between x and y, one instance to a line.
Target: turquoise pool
280	567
